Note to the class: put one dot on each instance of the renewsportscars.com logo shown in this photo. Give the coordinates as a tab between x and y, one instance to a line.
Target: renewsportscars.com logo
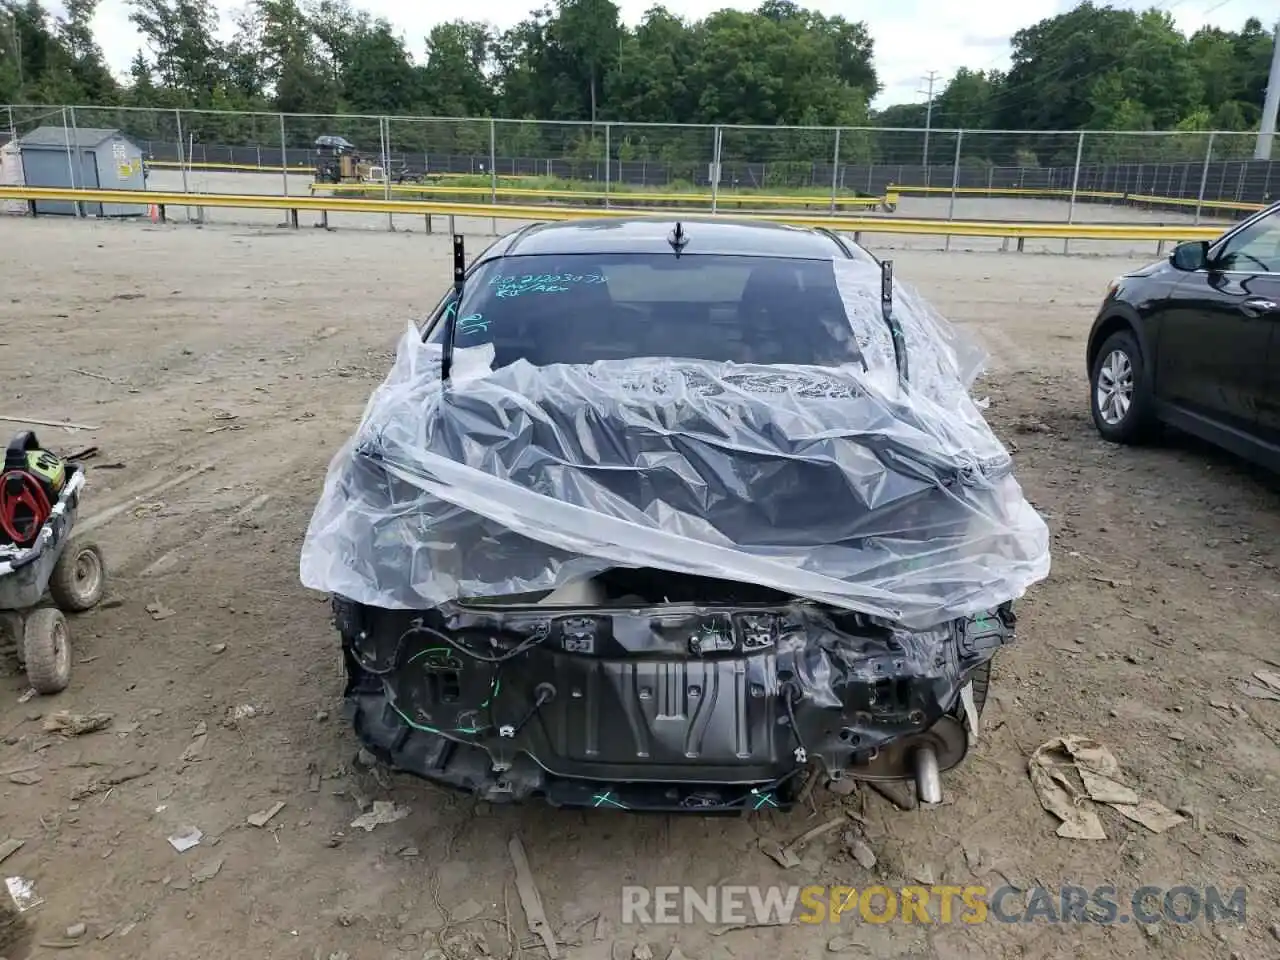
929	905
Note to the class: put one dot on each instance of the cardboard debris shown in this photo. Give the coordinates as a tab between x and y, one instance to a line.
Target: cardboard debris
186	838
23	893
263	817
9	847
74	724
1059	796
207	870
1267	687
382	812
129	770
1269	677
865	856
530	899
242	711
195	749
159	611
1156	817
1099	773
806	838
1255	691
781	855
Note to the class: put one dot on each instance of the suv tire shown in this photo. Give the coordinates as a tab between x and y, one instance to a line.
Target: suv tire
1119	397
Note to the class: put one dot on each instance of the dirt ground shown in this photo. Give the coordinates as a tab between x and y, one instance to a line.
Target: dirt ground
221	368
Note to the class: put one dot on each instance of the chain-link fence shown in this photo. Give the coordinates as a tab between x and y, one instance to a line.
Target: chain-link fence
948	173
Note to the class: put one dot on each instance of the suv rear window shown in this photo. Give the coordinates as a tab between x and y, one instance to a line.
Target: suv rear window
580	308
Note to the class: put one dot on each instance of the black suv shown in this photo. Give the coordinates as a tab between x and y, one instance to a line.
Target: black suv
1192	341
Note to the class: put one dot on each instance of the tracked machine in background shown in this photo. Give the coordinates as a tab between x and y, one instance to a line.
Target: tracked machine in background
340	162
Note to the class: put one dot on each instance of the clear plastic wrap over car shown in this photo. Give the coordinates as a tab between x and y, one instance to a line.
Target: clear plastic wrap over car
842	485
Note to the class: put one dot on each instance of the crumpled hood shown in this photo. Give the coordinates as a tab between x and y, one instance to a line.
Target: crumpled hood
835	484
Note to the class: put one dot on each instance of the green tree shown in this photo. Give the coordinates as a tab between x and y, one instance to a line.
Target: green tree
967	102
46	59
185	56
293	74
584	42
87	68
247	75
378	76
525	71
649	82
455	81
1094	67
778	68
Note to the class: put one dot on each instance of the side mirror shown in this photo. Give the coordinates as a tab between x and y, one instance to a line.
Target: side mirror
1190	256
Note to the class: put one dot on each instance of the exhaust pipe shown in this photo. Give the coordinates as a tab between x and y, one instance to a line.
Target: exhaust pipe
928	779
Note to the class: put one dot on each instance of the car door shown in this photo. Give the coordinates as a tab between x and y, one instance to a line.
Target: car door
1267	288
1217	332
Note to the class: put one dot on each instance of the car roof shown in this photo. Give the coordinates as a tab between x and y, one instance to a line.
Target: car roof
645	235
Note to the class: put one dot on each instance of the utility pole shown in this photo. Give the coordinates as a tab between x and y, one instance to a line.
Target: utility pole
1271	105
931	79
17	46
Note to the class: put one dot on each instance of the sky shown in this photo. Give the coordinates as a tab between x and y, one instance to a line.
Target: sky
912	37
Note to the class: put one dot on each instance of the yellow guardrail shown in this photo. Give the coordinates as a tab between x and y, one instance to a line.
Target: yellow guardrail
891	196
1203	204
1058	193
1055	192
545	212
624	195
234	167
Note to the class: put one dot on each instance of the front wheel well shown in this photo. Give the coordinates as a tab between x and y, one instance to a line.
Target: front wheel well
1112	325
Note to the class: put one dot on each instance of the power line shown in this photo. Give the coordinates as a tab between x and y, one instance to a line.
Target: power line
931	79
1271	103
1056	33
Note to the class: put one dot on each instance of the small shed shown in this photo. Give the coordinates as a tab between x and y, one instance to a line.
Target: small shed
87	158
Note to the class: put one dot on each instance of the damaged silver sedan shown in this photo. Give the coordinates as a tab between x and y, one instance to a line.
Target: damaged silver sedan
662	516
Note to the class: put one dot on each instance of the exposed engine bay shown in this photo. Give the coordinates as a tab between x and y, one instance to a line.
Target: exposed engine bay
673	584
644	690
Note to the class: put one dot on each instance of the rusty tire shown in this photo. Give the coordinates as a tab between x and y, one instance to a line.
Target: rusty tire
79	578
46	647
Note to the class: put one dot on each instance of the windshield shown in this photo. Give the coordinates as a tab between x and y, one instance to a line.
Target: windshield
580	308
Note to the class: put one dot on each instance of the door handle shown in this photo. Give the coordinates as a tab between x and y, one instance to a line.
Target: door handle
1257	306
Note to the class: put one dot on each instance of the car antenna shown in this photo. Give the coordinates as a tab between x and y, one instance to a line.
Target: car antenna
451	316
895	328
678	239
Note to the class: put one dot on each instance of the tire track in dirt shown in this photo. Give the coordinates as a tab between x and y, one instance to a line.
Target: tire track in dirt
172	521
